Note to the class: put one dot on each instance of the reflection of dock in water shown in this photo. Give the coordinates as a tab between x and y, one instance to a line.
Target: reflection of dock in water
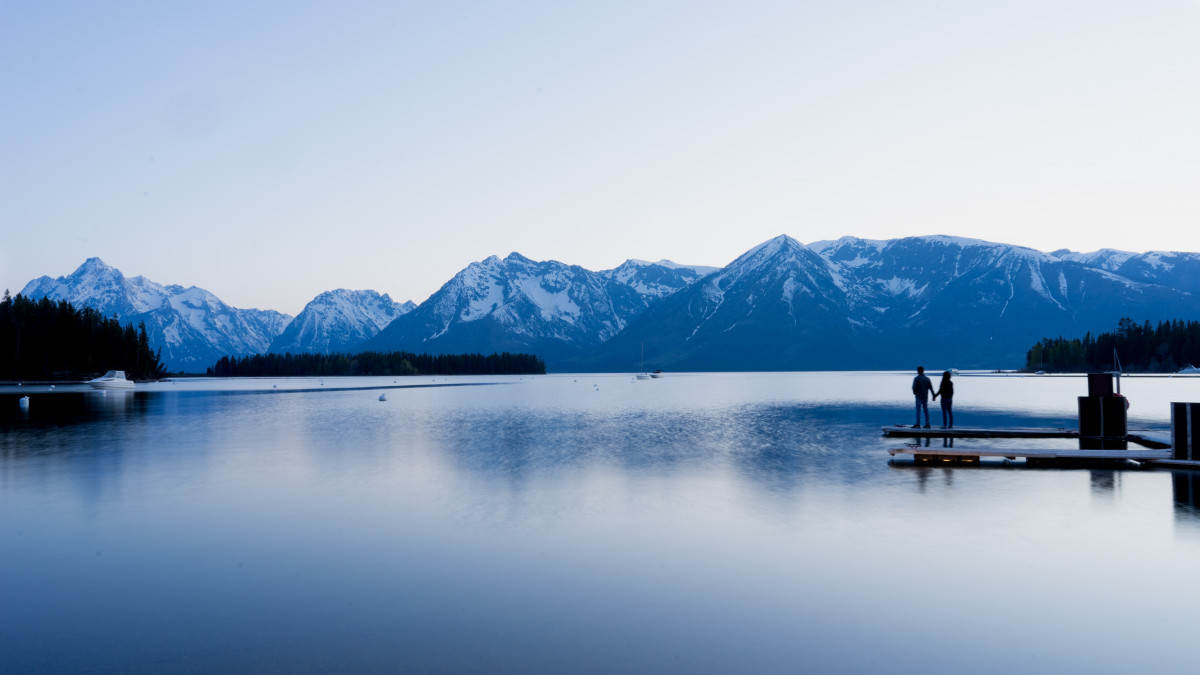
970	455
1185	488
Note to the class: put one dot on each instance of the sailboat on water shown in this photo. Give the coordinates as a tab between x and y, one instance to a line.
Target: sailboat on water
643	375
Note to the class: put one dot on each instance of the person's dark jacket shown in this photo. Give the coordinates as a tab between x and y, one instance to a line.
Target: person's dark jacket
922	387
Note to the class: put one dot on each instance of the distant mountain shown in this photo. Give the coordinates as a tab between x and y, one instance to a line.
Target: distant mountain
655	280
521	305
1180	271
338	321
856	303
851	303
192	327
976	304
779	306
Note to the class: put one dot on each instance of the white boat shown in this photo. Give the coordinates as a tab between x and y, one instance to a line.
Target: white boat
656	374
113	379
643	375
1190	370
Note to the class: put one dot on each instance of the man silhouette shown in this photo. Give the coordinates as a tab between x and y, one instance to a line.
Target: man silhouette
922	387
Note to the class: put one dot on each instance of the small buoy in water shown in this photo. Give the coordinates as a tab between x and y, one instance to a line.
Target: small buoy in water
24	402
383	397
51	387
274	386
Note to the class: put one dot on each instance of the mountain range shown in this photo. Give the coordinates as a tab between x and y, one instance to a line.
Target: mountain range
519	305
190	326
338	321
846	304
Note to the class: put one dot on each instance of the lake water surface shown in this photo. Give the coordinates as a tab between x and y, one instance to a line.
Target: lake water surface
701	523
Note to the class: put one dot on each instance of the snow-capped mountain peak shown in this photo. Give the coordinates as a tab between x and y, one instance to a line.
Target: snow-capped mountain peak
779	256
669	264
191	326
520	304
338	321
848	302
1109	259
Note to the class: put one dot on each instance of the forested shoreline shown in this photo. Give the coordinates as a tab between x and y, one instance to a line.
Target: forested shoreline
376	363
1165	348
47	340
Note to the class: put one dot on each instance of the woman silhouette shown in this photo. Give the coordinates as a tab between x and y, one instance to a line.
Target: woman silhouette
946	391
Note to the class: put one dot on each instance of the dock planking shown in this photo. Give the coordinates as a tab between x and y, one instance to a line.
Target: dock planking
1143	438
900	431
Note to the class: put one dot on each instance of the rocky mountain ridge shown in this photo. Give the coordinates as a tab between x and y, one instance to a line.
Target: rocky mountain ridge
192	327
849	303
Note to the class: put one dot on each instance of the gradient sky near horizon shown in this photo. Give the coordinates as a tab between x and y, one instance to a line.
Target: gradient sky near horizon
269	151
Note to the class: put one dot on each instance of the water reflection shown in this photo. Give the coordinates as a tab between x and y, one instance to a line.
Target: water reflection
1104	483
1185	488
925	473
712	524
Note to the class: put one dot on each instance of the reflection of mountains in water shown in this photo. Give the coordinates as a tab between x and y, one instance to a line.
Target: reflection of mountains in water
839	439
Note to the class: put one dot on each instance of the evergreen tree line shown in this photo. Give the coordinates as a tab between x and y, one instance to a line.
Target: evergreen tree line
377	363
1165	348
47	340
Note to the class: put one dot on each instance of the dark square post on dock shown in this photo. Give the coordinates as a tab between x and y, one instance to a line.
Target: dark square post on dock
1185	434
1102	421
1100	384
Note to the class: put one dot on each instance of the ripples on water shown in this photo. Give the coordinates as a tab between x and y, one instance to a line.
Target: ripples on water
699	523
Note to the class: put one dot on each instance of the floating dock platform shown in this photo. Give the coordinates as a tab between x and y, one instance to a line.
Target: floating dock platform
1148	439
1155	447
1102	435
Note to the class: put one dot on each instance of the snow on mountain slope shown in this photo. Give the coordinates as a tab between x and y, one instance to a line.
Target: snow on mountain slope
845	303
1108	259
191	326
655	280
894	303
779	305
337	321
988	302
518	304
1173	269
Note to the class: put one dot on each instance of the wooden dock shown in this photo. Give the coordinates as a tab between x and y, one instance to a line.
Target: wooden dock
900	431
1146	439
1102	426
1155	447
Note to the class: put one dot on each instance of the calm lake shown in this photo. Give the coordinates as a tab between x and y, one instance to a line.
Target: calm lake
699	523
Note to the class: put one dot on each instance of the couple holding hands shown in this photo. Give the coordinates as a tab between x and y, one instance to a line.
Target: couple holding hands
922	387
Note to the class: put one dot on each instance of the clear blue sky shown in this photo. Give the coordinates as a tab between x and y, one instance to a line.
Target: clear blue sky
269	151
